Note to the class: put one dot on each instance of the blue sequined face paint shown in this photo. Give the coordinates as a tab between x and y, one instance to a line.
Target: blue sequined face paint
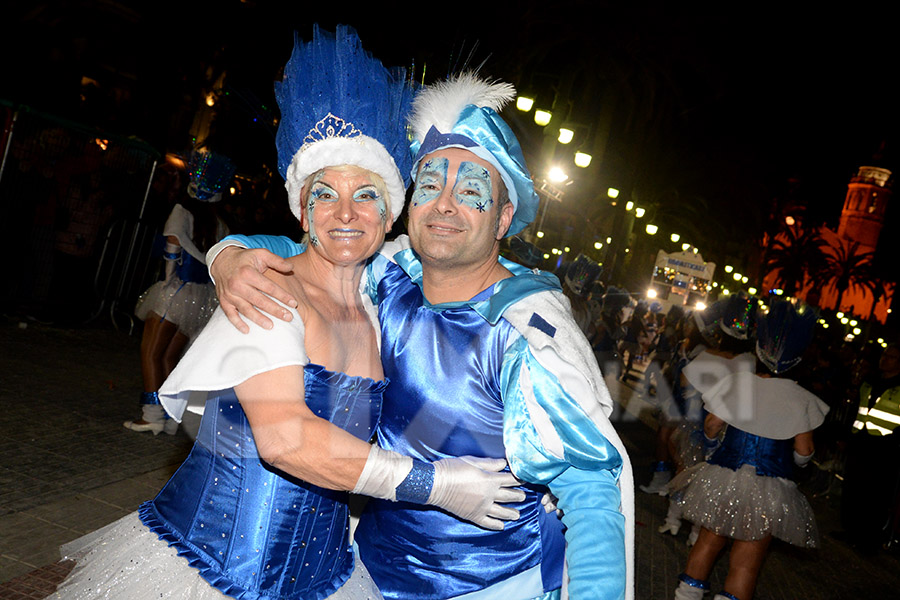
431	180
369	193
318	191
473	186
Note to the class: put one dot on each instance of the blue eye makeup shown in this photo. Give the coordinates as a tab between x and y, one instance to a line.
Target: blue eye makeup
473	186
370	193
431	180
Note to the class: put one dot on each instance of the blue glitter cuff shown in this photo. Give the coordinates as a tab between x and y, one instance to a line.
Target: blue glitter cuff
150	398
172	255
725	594
697	583
662	465
418	483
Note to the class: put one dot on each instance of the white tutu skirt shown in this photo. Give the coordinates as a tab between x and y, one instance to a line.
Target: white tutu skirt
187	305
745	506
126	561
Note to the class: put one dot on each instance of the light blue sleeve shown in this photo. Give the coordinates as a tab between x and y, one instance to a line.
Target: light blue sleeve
550	440
283	246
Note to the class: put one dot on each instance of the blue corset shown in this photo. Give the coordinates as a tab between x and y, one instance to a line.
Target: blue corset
191	270
252	531
772	458
444	400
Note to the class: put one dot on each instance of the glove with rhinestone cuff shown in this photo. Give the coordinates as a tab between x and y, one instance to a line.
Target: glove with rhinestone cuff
469	487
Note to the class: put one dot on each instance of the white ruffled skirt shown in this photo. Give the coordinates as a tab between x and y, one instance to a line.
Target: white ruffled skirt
745	506
187	305
126	561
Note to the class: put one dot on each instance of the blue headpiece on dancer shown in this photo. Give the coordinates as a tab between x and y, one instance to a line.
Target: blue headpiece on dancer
341	106
209	173
783	334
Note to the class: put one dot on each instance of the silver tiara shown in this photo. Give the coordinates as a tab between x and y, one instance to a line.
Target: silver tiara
330	127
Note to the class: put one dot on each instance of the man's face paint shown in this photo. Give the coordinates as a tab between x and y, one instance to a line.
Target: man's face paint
471	188
431	181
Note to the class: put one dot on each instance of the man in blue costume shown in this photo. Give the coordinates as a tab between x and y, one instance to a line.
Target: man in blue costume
484	359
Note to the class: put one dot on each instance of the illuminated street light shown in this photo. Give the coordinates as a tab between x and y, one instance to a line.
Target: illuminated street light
845	320
857	331
565	135
685	247
582	159
567	249
546	256
612	193
540	234
652	229
852	322
725	291
542	117
700	305
674	237
609	240
598	245
557	175
639	212
629	205
744	279
752	291
729	268
737	276
651	293
839	315
524	103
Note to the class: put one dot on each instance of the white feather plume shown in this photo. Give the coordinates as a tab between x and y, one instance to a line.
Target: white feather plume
440	104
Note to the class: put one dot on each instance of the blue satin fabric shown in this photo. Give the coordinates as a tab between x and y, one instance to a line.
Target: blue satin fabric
191	270
772	458
444	400
252	531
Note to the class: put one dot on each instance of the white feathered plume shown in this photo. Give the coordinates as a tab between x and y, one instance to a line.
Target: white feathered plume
440	103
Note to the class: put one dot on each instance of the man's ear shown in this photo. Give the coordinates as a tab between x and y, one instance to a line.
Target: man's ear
505	220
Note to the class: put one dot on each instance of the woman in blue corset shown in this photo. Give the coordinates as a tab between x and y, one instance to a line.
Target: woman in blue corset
259	508
759	427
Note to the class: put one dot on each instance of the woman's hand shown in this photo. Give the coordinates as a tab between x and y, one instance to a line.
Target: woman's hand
242	287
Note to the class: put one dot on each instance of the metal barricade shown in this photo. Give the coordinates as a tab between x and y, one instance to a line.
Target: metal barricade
74	200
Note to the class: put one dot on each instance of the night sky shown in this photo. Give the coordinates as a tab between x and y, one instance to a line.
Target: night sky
712	105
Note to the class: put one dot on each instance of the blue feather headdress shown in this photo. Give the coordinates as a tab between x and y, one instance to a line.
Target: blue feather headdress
783	334
341	106
209	173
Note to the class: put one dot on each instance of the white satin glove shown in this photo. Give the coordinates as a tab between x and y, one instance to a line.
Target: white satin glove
468	487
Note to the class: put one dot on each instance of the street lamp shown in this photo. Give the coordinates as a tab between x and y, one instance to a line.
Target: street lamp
651	228
674	237
598	245
582	159
557	175
524	103
629	205
684	247
612	193
542	117
639	212
540	234
565	135
729	268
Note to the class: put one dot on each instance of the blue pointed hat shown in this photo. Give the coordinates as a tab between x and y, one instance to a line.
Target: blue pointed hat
341	106
462	113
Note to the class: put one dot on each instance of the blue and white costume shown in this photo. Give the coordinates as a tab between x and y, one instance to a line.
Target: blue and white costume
507	373
250	531
186	297
745	489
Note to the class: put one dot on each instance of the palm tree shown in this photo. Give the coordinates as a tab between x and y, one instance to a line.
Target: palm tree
795	257
846	267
